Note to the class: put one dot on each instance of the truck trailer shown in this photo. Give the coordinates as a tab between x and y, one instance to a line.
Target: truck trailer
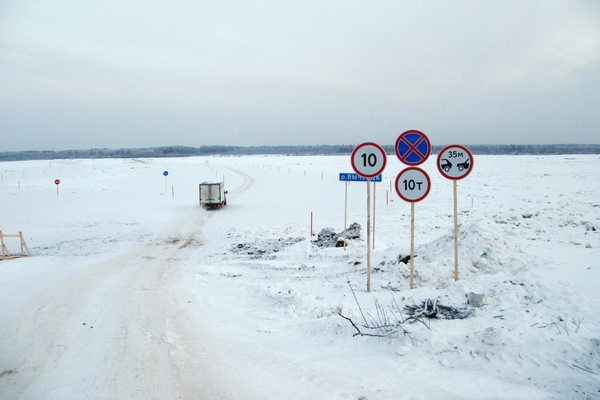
212	195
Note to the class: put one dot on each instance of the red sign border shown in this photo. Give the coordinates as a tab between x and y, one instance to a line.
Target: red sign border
424	137
428	185
57	181
439	157
368	144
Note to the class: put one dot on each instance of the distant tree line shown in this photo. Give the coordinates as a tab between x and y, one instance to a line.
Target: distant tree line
183	151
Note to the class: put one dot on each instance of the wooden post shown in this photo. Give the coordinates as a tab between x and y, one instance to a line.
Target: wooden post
455	231
24	245
412	244
374	206
5	254
311	225
368	234
345	215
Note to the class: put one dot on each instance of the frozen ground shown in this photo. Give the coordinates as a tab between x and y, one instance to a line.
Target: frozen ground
133	292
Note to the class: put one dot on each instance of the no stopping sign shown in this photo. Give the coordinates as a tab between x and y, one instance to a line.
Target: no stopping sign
413	184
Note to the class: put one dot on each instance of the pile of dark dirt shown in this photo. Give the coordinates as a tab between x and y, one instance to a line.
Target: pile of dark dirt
329	238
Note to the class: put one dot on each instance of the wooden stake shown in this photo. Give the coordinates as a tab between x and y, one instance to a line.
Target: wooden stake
368	234
412	244
5	253
345	215
455	231
24	245
374	213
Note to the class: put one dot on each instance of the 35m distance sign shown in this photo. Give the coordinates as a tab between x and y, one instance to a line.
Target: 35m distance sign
455	162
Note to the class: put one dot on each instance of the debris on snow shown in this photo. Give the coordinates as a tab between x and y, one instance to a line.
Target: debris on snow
478	300
261	248
329	238
431	309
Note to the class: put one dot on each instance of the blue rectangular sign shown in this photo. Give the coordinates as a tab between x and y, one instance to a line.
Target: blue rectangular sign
353	177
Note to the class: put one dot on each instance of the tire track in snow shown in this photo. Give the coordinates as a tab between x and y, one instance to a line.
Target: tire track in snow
119	329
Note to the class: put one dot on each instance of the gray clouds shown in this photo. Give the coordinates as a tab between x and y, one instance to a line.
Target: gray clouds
137	74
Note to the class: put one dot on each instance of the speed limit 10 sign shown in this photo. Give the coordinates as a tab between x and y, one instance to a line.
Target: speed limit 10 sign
368	159
413	184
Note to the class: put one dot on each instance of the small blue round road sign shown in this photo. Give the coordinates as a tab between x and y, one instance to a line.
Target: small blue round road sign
166	173
413	147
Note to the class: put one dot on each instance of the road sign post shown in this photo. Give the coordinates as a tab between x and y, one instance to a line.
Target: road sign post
166	173
455	162
57	182
412	185
368	160
354	177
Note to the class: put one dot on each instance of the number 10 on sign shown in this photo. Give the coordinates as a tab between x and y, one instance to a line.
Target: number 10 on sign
368	159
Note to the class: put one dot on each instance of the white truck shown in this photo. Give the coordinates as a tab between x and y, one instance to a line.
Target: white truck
212	195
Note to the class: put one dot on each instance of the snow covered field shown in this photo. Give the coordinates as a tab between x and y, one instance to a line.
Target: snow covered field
135	293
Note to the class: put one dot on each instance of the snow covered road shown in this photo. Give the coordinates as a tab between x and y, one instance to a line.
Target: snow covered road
117	330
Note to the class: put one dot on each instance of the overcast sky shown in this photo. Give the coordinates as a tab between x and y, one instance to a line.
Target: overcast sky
132	73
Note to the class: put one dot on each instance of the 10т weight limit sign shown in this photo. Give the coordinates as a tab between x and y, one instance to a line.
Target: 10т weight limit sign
413	184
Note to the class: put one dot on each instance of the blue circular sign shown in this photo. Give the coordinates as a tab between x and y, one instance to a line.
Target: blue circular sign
413	147
166	173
